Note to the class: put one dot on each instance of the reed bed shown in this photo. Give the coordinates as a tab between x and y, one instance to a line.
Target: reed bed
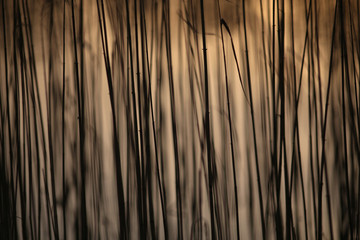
149	119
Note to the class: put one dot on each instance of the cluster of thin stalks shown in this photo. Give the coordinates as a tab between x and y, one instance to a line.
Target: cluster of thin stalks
188	119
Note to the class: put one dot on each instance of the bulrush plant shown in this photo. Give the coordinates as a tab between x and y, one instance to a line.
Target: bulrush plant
146	119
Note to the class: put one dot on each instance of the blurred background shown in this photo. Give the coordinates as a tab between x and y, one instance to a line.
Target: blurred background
186	119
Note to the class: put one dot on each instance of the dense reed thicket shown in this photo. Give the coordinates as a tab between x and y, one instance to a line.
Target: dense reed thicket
149	119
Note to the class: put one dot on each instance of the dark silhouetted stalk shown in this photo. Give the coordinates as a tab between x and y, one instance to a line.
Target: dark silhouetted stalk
163	209
296	101
13	223
222	22
50	135
166	15
84	227
323	133
119	182
345	74
142	186
135	120
253	126
63	129
207	123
